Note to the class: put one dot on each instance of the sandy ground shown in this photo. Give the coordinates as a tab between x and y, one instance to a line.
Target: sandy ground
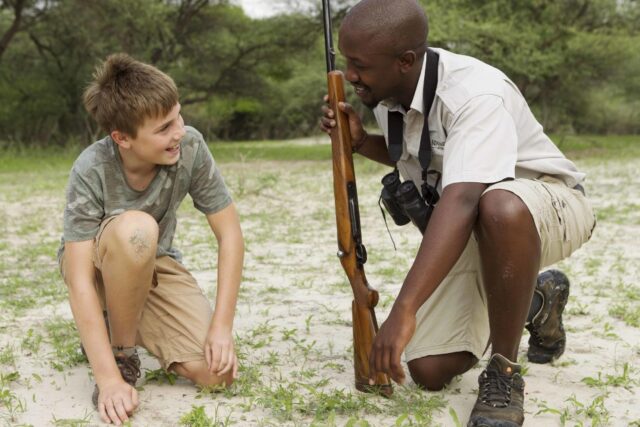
293	317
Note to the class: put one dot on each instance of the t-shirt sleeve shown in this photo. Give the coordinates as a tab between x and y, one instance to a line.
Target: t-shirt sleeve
482	143
207	188
84	209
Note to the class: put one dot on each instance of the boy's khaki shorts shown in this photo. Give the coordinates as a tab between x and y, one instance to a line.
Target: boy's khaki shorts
455	318
176	315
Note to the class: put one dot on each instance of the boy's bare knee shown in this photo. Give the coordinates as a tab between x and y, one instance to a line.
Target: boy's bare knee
137	233
198	373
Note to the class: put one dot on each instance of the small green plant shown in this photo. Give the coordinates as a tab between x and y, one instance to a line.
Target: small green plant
160	376
32	341
72	422
8	356
623	380
11	404
594	412
627	312
63	336
196	418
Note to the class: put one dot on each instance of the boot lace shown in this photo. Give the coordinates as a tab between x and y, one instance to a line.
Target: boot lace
495	389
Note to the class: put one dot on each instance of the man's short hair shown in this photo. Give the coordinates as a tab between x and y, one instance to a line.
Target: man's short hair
125	92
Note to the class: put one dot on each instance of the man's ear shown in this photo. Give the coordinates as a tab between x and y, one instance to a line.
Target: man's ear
407	59
121	138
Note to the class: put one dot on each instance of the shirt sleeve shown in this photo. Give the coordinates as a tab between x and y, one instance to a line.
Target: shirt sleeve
482	144
207	188
84	209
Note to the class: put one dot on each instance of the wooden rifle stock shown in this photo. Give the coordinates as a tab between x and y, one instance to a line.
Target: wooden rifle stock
351	251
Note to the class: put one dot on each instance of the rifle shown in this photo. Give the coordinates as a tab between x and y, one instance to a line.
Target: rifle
351	251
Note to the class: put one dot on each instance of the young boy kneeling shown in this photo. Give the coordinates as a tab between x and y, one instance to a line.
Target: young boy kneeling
117	254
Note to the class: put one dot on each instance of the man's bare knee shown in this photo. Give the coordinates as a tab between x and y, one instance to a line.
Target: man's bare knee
198	373
435	372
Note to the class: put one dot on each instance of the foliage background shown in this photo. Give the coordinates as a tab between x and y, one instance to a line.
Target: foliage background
576	61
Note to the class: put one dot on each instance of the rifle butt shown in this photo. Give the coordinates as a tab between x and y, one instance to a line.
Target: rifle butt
364	331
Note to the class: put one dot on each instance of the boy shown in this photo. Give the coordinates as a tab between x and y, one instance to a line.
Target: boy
117	255
509	204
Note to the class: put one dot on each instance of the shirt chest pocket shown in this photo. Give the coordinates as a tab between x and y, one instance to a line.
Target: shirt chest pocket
412	144
437	142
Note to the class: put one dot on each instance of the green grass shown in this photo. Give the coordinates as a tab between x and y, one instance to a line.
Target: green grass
598	146
27	160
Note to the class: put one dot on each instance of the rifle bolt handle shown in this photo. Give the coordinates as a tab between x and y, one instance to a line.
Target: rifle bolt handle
340	254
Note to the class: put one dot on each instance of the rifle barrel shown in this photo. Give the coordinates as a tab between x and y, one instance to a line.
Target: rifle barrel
328	37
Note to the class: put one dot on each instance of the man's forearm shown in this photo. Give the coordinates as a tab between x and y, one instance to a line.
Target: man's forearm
444	241
374	147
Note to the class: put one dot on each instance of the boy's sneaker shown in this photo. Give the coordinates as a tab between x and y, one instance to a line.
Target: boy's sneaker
500	395
129	367
548	339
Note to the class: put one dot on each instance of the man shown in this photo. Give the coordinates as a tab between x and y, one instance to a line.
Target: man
509	204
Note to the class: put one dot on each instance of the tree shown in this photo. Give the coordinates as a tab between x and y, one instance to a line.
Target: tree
557	52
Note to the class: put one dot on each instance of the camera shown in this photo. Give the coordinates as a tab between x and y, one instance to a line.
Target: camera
404	203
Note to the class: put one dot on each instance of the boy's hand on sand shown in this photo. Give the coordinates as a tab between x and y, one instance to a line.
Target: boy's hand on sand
117	401
219	352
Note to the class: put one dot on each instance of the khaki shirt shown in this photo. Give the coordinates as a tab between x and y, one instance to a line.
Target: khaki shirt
481	128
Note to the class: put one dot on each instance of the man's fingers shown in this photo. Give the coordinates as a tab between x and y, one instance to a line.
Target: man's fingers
327	111
347	108
326	98
385	361
328	123
397	372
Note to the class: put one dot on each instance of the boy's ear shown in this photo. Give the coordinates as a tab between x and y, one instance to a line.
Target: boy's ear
121	138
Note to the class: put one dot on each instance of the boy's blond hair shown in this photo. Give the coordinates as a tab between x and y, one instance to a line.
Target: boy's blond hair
125	92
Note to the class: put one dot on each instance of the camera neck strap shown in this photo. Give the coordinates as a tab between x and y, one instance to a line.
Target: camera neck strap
396	119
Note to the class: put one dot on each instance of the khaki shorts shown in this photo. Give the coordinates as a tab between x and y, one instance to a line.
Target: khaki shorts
176	315
455	318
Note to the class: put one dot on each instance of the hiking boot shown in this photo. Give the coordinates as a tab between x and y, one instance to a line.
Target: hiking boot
548	339
129	367
500	395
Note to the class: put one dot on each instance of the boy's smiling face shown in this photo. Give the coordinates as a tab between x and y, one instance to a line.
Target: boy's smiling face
157	141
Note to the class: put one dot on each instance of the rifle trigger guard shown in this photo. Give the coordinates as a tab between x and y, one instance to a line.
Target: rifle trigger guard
361	254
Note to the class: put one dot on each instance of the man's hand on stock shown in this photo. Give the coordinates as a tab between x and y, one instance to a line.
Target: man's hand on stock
391	340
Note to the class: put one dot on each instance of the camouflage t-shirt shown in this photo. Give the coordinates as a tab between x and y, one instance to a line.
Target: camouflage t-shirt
97	189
